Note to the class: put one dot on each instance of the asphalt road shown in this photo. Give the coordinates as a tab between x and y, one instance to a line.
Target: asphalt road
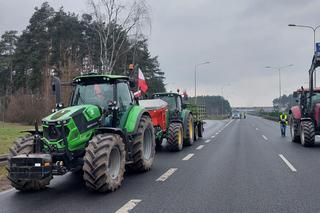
239	166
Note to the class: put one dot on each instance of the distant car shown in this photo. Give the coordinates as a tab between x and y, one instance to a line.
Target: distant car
236	115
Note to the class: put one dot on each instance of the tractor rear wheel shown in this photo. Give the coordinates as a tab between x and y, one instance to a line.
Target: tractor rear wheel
24	145
104	163
175	137
294	129
189	137
143	146
200	130
307	134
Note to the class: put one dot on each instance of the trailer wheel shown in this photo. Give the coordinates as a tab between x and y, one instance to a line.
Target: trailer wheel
200	130
189	137
143	146
104	163
307	134
175	137
24	145
294	129
196	132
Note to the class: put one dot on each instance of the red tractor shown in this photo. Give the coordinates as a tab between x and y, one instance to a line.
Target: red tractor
304	118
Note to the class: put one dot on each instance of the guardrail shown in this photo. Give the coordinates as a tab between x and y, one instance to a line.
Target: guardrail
3	159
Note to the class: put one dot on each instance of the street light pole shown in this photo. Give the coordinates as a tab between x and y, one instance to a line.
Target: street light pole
279	70
195	78
314	29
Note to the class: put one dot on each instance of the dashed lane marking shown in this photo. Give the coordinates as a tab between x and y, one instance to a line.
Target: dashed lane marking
199	147
188	157
213	136
207	141
264	137
128	206
288	163
257	129
167	174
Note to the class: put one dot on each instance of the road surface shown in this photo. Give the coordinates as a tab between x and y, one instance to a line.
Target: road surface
239	166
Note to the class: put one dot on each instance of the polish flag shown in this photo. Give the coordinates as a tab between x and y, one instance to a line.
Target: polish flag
142	84
137	94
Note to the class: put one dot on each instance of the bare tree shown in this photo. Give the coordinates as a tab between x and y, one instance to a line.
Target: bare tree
115	24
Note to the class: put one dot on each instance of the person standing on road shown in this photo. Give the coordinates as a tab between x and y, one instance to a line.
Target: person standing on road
283	120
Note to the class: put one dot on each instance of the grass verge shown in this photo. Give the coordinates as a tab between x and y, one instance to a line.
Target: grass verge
8	133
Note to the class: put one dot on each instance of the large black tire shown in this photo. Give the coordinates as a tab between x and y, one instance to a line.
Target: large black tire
175	137
200	130
307	134
24	145
196	131
143	146
189	136
104	163
294	131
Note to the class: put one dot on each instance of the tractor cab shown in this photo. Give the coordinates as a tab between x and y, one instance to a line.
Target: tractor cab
175	104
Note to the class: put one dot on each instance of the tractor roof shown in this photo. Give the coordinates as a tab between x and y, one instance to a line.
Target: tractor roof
99	78
166	94
307	90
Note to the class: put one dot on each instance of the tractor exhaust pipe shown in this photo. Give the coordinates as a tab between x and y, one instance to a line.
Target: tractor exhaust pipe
56	89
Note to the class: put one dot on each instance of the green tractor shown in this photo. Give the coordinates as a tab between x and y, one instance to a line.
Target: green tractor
181	122
101	134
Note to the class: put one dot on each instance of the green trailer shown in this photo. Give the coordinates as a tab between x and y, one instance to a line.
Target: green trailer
199	114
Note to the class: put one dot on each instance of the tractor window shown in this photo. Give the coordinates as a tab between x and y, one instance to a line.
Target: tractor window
179	103
171	102
96	94
124	96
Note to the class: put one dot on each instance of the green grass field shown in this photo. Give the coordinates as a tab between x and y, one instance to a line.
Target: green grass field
9	132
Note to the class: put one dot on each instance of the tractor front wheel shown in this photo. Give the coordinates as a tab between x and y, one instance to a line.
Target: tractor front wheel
294	129
104	163
25	145
143	146
307	134
175	137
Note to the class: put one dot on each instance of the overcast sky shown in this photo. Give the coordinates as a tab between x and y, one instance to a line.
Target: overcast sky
239	37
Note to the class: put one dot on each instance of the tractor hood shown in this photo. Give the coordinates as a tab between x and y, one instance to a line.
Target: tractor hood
90	112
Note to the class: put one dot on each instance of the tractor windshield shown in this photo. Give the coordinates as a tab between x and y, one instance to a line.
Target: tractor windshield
171	100
96	94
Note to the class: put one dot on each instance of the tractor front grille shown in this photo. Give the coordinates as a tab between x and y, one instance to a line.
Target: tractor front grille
54	133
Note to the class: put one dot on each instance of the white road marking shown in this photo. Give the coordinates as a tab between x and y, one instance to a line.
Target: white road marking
128	206
7	191
188	157
199	147
213	136
257	129
217	133
264	137
167	174
207	141
288	163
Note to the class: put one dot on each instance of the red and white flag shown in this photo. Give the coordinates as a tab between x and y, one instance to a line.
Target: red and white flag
142	84
137	94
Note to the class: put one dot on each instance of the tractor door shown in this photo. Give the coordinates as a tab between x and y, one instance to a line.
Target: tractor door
124	101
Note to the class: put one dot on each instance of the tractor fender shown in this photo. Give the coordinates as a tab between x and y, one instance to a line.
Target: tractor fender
295	112
317	113
184	115
111	130
134	116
